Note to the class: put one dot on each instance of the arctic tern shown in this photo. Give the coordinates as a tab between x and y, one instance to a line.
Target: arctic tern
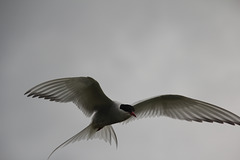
87	94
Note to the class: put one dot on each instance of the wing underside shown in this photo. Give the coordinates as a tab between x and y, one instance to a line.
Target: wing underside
85	92
184	108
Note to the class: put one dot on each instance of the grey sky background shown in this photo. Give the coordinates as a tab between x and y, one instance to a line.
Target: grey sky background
135	50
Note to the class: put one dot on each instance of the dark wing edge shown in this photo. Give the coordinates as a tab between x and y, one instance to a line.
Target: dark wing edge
50	90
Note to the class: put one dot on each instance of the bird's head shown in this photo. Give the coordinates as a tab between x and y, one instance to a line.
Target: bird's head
128	108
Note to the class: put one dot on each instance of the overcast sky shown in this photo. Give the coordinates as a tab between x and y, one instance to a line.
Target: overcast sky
135	50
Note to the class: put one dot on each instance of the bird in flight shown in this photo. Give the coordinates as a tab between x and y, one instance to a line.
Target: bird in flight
87	94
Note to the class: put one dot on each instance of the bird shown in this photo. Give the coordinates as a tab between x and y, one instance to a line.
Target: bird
88	96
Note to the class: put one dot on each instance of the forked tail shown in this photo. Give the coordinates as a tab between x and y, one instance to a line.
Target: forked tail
106	133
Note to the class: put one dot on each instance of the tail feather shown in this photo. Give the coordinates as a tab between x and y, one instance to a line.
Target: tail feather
107	133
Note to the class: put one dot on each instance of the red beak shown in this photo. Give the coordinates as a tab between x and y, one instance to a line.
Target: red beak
133	114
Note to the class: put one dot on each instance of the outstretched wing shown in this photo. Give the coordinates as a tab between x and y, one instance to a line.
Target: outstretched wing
85	92
107	133
184	108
